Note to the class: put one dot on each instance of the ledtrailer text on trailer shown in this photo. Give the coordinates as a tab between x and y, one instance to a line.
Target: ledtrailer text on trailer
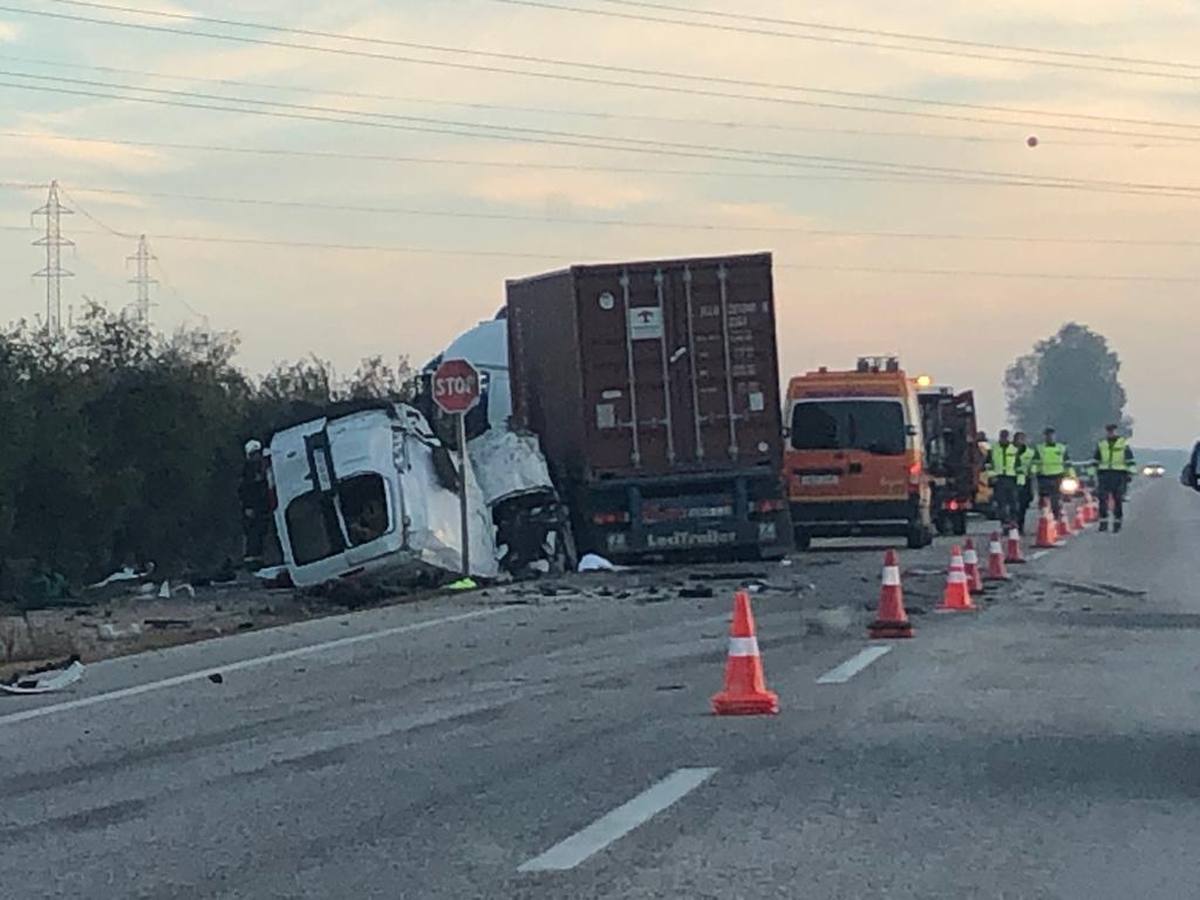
654	387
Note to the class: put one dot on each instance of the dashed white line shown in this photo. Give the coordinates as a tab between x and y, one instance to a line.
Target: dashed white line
854	665
615	825
137	689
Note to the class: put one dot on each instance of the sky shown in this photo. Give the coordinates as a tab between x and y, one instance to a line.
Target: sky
356	195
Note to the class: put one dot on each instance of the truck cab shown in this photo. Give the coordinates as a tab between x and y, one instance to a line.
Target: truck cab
854	458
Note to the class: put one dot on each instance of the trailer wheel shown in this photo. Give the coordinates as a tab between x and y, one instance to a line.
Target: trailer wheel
803	539
958	523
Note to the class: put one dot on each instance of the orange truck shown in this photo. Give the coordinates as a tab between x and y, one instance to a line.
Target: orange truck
854	459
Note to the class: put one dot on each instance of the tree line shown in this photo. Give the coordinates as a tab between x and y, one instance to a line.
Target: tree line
121	445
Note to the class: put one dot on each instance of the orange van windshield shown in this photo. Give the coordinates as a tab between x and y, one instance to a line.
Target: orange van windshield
873	426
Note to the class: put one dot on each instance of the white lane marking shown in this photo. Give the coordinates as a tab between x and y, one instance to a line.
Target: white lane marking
854	665
1038	555
615	825
240	665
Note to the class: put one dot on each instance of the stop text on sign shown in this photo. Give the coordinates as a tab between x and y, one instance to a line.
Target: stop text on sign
455	386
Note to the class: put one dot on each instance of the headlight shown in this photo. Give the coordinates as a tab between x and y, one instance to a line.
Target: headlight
1148	470
1070	485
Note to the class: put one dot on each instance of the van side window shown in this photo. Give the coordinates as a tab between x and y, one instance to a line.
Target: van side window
363	501
312	529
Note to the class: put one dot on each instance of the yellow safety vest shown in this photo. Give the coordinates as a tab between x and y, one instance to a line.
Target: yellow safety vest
1004	461
1112	455
1052	459
1024	465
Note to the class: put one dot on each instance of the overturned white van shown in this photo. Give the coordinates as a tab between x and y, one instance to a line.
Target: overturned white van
372	489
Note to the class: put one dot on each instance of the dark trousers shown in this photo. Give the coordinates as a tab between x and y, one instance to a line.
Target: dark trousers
1004	494
1050	488
1112	484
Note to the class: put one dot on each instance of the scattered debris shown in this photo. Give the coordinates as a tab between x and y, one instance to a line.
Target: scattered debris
43	680
164	592
695	592
463	584
274	577
216	678
106	631
128	573
164	624
592	562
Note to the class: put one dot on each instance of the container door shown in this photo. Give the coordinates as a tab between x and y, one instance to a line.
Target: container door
849	449
725	379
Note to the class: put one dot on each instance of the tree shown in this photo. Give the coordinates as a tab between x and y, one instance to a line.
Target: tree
1070	382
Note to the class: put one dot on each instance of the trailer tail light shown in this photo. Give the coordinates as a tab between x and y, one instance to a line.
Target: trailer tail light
610	518
952	505
769	506
914	473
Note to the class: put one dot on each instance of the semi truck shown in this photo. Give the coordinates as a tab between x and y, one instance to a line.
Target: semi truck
654	389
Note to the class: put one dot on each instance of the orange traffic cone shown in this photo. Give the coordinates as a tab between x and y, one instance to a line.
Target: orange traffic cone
1065	528
892	621
745	691
971	566
997	571
1091	509
1080	523
1047	533
1015	556
958	596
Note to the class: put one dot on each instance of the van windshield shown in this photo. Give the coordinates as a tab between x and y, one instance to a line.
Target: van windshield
875	426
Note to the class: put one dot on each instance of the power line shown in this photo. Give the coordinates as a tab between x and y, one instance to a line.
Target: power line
611	222
626	222
603	115
576	139
825	39
559	76
559	258
908	36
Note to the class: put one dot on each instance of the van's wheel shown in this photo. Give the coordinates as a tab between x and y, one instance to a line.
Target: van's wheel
919	536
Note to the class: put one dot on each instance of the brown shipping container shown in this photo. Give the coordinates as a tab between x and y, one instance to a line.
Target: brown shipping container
649	370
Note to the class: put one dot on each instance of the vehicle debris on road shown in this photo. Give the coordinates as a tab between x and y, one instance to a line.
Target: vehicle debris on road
44	680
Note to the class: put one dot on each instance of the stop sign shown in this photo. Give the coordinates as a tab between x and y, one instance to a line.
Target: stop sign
455	386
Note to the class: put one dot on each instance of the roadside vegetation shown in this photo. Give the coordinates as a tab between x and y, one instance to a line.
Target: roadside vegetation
121	445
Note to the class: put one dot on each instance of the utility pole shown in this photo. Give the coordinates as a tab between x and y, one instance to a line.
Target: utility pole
54	273
142	279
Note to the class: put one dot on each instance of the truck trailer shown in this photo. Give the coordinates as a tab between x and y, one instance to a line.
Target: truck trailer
654	389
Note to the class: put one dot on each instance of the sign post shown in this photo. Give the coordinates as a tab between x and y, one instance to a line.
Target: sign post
456	392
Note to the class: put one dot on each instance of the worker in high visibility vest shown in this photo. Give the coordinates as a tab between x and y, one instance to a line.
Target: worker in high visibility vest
1114	466
1051	465
1024	487
1002	471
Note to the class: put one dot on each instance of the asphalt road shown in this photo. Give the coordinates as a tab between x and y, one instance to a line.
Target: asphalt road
1046	746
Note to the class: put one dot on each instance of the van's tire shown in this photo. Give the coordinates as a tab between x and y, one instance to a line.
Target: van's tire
919	536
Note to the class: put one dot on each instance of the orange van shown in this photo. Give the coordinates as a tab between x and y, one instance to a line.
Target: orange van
853	461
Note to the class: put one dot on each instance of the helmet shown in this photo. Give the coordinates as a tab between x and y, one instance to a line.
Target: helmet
253	446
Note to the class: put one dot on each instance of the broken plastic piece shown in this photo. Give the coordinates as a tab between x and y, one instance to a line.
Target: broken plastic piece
463	584
164	592
592	562
54	677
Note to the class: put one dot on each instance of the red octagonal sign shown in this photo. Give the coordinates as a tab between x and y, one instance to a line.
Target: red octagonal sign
455	386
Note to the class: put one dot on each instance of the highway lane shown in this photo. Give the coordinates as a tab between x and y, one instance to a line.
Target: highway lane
1026	751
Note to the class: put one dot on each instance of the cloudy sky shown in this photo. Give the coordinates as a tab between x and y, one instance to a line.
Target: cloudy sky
363	196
